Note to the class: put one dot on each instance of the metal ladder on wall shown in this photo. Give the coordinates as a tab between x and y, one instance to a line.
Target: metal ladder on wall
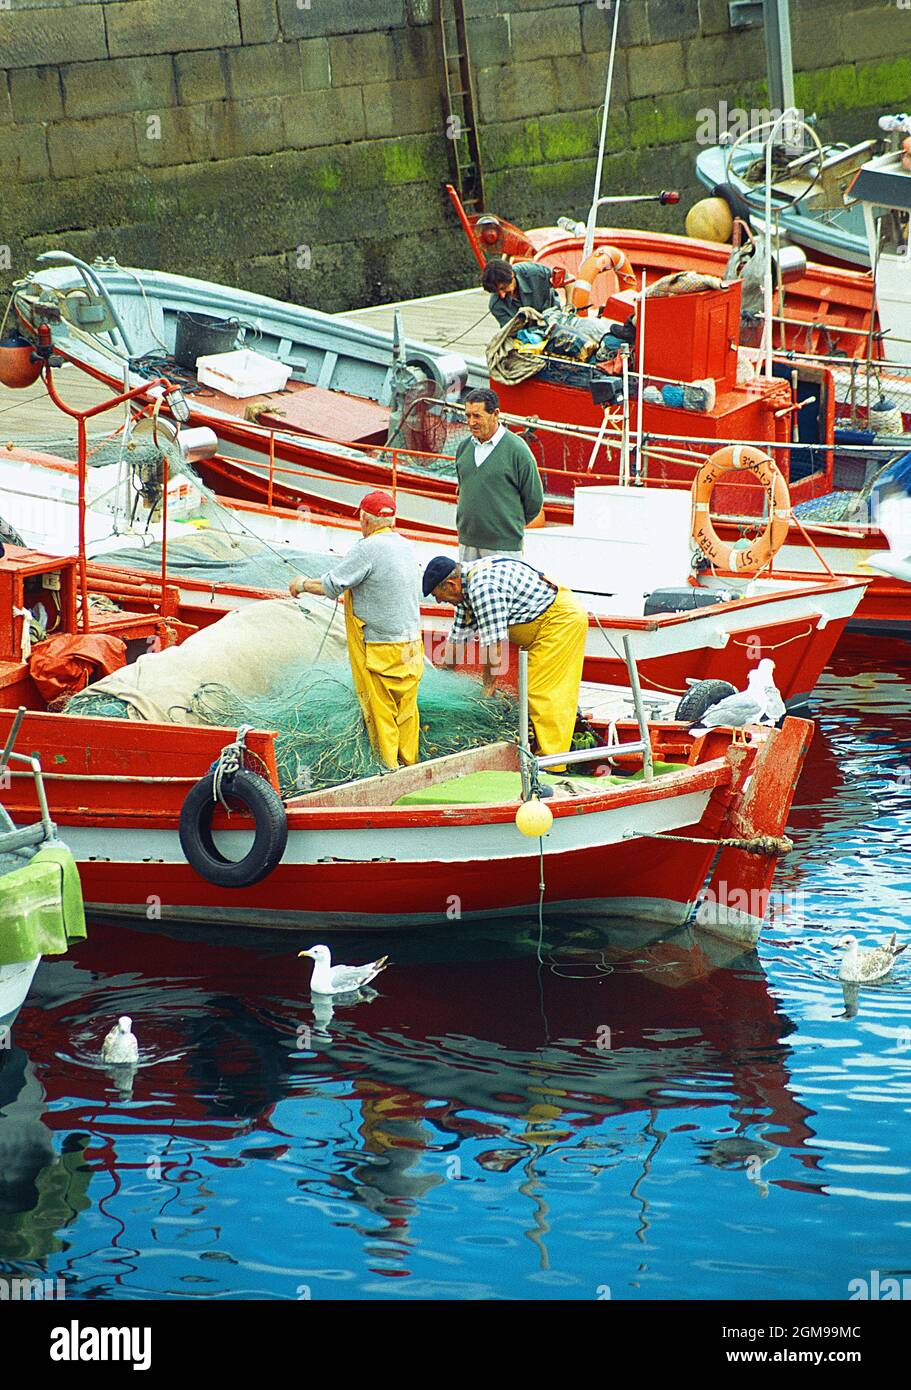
459	103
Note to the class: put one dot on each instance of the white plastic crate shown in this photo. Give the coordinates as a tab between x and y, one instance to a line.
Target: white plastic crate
242	373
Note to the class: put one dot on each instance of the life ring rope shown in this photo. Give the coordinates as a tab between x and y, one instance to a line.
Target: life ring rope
725	556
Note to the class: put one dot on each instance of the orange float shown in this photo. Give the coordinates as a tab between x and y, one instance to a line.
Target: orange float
736	458
605	258
18	366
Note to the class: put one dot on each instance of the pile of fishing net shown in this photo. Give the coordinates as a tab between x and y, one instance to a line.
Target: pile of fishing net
320	735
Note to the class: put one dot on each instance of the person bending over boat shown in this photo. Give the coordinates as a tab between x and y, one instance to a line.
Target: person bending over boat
500	488
514	287
380	580
497	600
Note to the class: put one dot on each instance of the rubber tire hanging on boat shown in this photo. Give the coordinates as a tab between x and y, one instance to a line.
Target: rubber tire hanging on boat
700	697
197	842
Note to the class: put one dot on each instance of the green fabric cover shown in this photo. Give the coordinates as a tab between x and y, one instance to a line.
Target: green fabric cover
483	788
41	908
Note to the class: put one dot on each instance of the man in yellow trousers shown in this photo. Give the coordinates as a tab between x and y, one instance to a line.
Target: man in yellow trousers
381	581
499	599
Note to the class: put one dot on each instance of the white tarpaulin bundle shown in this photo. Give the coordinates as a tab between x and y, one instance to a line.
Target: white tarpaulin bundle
247	651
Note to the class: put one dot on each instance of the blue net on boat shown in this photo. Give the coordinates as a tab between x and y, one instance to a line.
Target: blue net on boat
833	506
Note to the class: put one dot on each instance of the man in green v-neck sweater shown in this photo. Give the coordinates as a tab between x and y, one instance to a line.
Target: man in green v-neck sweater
500	488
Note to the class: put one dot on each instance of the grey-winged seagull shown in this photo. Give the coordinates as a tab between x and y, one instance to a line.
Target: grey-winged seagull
339	979
120	1047
862	965
760	703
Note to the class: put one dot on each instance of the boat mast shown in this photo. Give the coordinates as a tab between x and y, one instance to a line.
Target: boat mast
590	228
776	20
777	24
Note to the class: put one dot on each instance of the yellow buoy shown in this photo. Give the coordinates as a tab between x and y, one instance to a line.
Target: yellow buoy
534	818
710	220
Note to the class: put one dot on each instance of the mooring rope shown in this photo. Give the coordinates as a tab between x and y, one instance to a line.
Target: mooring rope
767	845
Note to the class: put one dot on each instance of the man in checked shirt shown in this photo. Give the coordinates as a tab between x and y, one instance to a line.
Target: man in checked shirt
498	600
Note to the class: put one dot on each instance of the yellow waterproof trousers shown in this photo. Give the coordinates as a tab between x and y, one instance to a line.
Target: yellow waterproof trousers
555	643
386	678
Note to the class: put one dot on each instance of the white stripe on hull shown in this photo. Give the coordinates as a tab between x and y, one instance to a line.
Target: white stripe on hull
403	844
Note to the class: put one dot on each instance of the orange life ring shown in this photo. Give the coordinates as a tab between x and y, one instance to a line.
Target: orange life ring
758	554
605	258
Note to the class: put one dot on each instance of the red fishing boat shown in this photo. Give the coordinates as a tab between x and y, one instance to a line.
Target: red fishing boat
270	459
629	560
408	848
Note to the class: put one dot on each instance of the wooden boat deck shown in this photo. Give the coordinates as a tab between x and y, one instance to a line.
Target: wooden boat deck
29	415
459	321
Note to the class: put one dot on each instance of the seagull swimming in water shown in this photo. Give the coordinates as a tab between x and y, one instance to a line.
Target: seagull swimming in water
120	1047
862	965
339	979
760	703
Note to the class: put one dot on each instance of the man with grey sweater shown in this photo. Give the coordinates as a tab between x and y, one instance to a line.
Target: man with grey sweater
500	488
380	580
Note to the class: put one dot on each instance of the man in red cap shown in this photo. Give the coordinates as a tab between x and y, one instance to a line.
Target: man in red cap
380	578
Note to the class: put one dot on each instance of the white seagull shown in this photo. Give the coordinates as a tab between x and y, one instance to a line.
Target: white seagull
861	964
120	1047
339	979
760	703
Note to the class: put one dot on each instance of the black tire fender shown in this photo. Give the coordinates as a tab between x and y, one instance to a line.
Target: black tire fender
265	805
701	697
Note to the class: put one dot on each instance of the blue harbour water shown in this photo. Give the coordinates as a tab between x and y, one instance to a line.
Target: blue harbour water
643	1116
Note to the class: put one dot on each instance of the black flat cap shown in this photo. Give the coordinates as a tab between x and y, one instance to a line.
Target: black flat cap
439	568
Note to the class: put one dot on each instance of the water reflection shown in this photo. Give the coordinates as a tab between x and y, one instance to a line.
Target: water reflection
460	1069
608	1108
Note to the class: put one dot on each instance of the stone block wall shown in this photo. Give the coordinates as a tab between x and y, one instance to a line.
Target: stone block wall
298	147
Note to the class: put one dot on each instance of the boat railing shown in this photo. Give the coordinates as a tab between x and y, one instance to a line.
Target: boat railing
531	765
12	839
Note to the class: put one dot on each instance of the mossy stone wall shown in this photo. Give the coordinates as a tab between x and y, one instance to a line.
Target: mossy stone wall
298	147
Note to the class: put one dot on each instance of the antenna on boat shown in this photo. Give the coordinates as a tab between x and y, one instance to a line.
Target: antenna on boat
624	437
590	228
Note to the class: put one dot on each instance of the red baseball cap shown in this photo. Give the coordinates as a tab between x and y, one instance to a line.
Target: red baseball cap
378	504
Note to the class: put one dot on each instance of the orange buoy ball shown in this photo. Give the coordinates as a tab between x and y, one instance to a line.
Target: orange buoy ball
16	366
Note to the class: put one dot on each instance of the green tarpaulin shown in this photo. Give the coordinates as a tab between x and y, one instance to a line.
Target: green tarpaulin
41	908
485	788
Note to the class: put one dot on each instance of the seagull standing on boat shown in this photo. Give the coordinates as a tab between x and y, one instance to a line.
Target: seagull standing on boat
381	582
760	703
120	1047
339	979
863	965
